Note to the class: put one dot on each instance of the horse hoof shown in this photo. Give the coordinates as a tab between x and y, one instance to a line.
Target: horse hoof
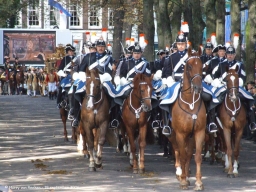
178	177
65	139
199	187
135	171
141	171
87	156
230	176
98	165
92	169
235	175
183	186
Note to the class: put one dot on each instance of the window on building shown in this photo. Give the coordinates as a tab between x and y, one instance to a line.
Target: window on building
110	18
54	16
34	13
95	18
76	20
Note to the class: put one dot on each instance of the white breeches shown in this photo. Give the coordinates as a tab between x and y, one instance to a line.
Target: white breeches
51	87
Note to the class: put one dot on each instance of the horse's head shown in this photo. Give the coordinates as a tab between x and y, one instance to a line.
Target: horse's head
93	87
193	70
143	90
232	80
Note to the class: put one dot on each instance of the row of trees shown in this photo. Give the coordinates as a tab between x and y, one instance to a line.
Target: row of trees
169	14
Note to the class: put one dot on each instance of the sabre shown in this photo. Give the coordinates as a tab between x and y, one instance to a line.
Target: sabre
122	47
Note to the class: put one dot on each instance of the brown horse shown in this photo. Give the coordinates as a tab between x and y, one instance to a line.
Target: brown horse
189	121
94	114
135	115
20	80
232	115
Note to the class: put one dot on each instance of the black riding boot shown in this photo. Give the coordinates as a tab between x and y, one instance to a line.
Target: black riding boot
71	101
76	110
59	97
251	118
76	121
114	116
155	118
212	127
166	128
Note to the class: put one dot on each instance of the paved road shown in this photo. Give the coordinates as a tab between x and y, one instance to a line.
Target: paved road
33	157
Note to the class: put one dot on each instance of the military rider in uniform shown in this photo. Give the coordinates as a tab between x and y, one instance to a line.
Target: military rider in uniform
217	60
103	62
129	69
16	67
219	74
70	50
173	70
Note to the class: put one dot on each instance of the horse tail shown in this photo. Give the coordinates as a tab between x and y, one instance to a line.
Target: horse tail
150	138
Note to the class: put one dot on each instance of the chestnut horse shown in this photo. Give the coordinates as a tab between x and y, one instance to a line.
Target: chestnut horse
232	115
94	114
189	121
135	118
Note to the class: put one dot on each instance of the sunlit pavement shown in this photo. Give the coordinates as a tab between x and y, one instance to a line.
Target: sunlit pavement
34	157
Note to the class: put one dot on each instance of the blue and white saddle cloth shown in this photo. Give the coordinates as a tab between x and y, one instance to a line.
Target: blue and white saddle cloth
219	91
66	82
109	89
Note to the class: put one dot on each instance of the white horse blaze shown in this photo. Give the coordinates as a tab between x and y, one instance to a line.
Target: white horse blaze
232	78
90	102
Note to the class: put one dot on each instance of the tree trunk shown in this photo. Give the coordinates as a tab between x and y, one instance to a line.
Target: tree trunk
175	17
220	21
210	14
251	41
163	23
118	28
187	12
198	24
236	24
149	29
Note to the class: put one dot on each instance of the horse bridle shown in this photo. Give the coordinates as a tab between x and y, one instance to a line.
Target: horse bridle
94	96
138	111
195	76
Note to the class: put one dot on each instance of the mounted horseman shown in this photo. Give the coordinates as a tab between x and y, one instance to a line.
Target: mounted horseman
219	84
64	73
103	62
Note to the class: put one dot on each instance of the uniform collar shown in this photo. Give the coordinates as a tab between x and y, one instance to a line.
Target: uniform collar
231	62
221	59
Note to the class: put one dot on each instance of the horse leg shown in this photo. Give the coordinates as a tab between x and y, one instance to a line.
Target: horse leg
238	137
172	139
227	136
133	159
183	159
142	145
90	142
101	140
190	150
199	139
64	121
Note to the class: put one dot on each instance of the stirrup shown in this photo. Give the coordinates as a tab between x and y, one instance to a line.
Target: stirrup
166	130
114	124
214	129
252	126
155	124
75	123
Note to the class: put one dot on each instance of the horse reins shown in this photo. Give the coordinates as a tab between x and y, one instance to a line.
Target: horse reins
95	111
132	109
233	112
191	106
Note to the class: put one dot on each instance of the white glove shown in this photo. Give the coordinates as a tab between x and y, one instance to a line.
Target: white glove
241	82
170	81
105	77
117	80
208	79
164	81
75	76
217	83
123	81
157	75
82	76
61	73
